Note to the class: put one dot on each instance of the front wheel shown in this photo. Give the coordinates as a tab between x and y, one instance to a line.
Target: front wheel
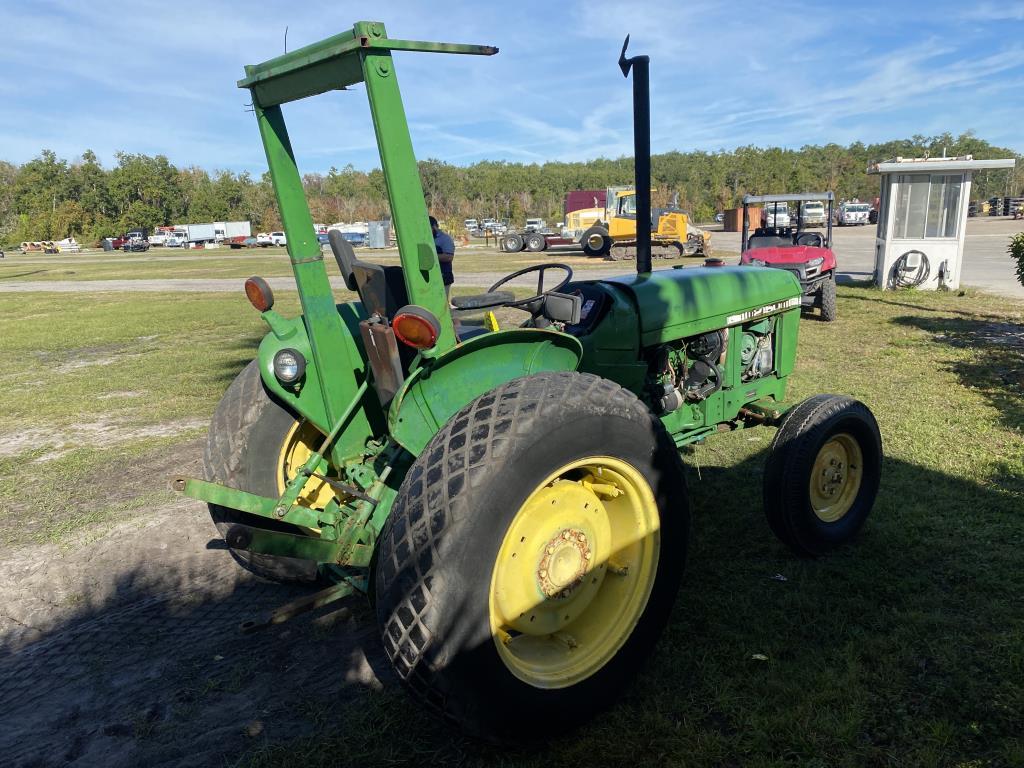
828	299
257	445
533	555
822	474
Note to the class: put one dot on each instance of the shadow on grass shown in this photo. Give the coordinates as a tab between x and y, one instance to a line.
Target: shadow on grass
905	647
23	274
877	298
994	363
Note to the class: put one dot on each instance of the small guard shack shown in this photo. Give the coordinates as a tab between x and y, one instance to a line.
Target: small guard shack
922	219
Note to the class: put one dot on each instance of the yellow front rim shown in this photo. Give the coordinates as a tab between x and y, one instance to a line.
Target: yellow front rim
299	444
836	477
574	572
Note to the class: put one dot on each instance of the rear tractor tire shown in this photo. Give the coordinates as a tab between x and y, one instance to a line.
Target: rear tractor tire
532	556
822	474
255	445
596	242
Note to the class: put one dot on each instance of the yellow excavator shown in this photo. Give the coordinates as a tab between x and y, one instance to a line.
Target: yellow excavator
614	237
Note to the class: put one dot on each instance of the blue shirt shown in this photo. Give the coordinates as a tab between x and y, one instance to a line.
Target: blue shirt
444	244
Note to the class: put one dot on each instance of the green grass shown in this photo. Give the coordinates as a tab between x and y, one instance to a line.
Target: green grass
268	262
905	649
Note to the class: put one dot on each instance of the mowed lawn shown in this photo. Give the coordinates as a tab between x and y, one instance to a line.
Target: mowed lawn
904	649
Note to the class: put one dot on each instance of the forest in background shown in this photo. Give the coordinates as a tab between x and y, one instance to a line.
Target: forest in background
49	198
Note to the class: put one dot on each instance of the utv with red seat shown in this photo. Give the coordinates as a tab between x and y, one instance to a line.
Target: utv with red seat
808	255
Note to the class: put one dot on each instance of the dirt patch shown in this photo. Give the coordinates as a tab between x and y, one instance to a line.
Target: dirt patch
106	432
126	651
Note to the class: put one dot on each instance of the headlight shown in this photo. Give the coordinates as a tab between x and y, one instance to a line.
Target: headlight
289	366
816	262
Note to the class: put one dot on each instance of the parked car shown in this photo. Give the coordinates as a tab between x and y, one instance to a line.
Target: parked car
852	214
534	225
135	244
263	239
776	216
472	225
278	238
176	240
242	242
812	213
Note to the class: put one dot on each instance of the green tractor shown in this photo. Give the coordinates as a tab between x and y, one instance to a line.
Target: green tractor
513	501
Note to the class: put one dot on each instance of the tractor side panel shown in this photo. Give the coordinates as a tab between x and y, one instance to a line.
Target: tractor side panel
307	399
432	395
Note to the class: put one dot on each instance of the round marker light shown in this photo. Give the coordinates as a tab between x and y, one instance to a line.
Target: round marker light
289	366
259	294
416	327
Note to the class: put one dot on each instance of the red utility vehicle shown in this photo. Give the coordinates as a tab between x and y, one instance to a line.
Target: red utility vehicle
808	255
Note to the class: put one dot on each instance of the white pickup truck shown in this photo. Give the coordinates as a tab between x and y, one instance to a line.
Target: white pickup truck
852	214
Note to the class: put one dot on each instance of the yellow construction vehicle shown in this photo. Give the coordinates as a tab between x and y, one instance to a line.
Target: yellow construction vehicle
614	237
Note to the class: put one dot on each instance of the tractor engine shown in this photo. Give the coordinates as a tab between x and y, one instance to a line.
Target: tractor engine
692	369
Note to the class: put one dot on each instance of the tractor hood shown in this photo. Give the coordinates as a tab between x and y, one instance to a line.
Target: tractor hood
677	303
792	254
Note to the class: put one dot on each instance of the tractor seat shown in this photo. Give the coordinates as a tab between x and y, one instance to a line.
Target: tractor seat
381	289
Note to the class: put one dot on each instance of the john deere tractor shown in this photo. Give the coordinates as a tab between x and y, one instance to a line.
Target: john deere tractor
511	501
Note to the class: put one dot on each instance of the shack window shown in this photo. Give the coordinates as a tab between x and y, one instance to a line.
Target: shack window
927	205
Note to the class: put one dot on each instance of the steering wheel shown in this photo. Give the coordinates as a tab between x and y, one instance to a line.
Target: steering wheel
533	304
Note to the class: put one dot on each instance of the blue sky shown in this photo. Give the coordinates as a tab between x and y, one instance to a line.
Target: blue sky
159	77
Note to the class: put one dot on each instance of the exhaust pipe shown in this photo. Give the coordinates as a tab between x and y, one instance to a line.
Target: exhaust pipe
641	66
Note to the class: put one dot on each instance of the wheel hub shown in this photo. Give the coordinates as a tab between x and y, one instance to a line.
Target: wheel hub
836	477
564	563
574	571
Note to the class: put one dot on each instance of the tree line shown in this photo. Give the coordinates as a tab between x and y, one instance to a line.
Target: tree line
49	198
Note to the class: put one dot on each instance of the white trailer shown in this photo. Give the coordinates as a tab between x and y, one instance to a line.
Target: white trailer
226	230
197	233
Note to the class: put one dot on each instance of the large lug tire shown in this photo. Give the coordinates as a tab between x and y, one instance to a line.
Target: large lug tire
512	243
535	242
596	242
252	443
513	598
822	474
828	299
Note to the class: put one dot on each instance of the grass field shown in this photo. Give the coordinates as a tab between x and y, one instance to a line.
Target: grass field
906	649
269	262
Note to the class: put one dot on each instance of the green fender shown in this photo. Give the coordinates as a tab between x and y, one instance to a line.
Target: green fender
436	392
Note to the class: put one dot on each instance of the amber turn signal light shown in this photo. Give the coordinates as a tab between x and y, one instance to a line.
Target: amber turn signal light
416	327
259	294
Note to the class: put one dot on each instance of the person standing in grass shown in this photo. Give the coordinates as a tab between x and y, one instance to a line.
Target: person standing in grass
445	254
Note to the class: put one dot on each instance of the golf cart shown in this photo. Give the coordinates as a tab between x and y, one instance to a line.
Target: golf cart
511	501
807	255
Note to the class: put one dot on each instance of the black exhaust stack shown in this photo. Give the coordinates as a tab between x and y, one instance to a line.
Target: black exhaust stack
641	66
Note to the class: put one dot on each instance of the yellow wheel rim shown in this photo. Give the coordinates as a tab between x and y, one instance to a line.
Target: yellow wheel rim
302	441
836	477
574	572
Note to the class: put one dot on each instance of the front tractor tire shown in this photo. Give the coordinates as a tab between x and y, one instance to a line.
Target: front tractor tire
822	474
255	445
532	556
